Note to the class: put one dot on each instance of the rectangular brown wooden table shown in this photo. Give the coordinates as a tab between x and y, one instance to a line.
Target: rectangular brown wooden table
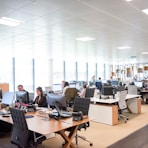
39	125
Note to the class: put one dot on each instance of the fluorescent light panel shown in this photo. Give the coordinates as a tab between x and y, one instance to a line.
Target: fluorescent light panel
145	52
124	47
129	0
84	39
9	21
145	11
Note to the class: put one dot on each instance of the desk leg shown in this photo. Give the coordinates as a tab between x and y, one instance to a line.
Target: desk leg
68	139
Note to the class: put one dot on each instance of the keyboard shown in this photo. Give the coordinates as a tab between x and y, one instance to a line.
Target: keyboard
2	113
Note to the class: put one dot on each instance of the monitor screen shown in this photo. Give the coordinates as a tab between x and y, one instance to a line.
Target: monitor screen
115	83
1	93
138	84
72	85
8	98
59	99
57	87
21	96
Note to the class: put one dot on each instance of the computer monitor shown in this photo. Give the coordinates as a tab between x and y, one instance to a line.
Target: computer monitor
21	96
1	95
59	99
72	85
107	91
139	84
57	87
115	83
8	98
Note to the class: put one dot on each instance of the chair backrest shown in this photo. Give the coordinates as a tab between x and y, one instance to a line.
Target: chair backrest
122	103
20	133
81	104
89	92
70	94
132	90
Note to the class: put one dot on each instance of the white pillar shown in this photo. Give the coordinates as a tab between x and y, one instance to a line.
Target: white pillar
50	72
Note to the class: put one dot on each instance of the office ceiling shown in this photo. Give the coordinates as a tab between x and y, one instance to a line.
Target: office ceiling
51	27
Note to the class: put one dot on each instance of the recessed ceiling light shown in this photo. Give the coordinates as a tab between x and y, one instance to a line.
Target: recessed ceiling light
84	39
9	21
145	52
124	47
129	0
145	11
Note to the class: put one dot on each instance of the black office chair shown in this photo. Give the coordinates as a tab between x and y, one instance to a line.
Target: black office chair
82	104
21	136
89	92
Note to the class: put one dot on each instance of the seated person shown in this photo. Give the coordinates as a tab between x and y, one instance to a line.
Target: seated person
99	84
21	88
83	91
40	99
66	85
145	84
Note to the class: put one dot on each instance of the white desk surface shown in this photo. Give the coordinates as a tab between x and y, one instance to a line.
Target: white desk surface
111	101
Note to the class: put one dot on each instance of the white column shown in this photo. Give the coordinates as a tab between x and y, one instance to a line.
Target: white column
50	72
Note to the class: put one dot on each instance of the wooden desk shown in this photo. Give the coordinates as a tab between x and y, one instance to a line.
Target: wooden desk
39	125
138	139
144	90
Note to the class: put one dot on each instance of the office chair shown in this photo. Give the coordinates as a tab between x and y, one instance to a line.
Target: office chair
21	136
89	92
132	90
122	105
70	95
82	104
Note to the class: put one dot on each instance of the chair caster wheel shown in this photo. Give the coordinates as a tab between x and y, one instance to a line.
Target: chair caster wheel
127	119
91	144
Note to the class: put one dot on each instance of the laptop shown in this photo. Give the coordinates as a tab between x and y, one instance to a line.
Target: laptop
63	114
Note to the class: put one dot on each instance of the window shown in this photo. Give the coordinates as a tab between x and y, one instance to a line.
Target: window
82	71
101	71
70	71
58	71
24	73
6	71
91	70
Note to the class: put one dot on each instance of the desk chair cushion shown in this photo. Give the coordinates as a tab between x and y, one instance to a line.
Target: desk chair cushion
82	104
132	90
122	103
20	134
89	92
70	94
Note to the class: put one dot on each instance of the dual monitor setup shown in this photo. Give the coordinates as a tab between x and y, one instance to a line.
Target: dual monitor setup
58	87
10	97
21	96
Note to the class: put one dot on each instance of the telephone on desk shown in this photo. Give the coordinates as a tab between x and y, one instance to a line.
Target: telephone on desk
27	107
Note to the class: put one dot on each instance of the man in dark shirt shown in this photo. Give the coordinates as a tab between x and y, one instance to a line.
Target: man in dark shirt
21	88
